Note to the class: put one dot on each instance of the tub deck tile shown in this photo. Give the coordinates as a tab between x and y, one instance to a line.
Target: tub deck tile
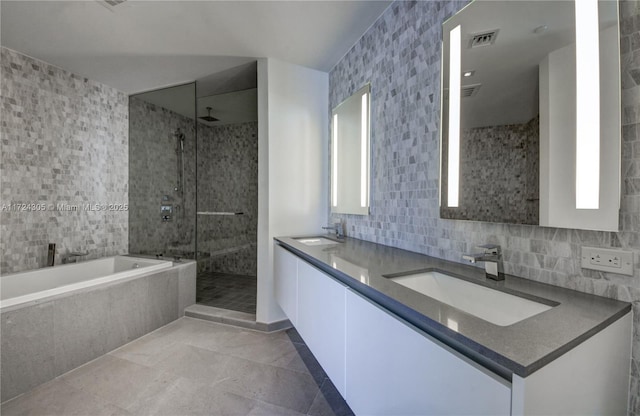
163	293
81	328
27	353
128	316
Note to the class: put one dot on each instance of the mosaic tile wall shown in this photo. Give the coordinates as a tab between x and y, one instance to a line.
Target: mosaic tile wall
228	182
400	56
499	175
64	145
154	176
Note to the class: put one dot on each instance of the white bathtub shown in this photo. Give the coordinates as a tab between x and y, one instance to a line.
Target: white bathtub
40	284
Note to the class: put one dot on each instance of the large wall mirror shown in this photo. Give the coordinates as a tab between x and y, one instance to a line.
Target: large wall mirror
350	154
531	114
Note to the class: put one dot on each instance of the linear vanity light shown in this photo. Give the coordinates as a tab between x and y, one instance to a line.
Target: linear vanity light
364	133
334	148
587	105
453	164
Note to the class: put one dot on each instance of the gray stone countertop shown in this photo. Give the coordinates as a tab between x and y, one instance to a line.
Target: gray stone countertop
520	348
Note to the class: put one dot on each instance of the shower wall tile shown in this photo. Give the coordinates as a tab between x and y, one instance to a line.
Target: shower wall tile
154	165
228	182
400	56
64	145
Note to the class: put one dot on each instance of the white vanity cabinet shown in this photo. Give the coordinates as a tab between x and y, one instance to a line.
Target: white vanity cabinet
321	320
378	363
315	304
285	276
383	365
396	369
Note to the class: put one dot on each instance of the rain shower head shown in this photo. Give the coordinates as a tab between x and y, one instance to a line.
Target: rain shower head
209	117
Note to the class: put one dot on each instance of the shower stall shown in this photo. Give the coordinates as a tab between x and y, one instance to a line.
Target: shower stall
193	193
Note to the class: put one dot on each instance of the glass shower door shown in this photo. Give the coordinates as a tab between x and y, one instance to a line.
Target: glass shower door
162	172
227	200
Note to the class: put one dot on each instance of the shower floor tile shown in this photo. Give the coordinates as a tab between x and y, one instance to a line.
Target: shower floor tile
227	291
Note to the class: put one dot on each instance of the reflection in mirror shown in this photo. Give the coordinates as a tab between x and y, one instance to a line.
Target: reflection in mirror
524	126
350	154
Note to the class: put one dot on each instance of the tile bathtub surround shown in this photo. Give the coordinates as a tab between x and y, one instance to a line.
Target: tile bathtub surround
44	340
64	141
400	56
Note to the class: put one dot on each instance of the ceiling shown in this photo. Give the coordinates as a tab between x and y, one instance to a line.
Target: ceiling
507	70
141	45
229	108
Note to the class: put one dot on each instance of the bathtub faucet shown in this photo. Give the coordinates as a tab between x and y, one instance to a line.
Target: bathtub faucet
73	256
51	255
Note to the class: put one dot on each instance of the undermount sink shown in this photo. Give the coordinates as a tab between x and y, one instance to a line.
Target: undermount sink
316	241
497	307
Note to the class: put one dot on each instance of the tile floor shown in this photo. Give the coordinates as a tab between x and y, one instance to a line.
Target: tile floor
227	291
192	367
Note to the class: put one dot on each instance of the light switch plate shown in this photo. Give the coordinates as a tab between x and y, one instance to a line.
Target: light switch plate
607	260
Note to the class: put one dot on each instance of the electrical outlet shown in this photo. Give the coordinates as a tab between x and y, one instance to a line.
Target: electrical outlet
615	261
607	260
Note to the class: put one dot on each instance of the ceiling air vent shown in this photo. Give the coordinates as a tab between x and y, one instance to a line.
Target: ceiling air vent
465	92
483	39
468	91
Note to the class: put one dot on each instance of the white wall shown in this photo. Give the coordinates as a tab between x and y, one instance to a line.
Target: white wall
558	140
293	143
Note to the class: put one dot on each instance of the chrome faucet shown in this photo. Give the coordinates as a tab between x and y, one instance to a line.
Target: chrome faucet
491	255
72	257
338	228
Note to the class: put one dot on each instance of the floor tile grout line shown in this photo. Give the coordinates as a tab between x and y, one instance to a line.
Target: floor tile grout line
255	362
60	379
251	362
159	374
195	380
313	401
240	330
